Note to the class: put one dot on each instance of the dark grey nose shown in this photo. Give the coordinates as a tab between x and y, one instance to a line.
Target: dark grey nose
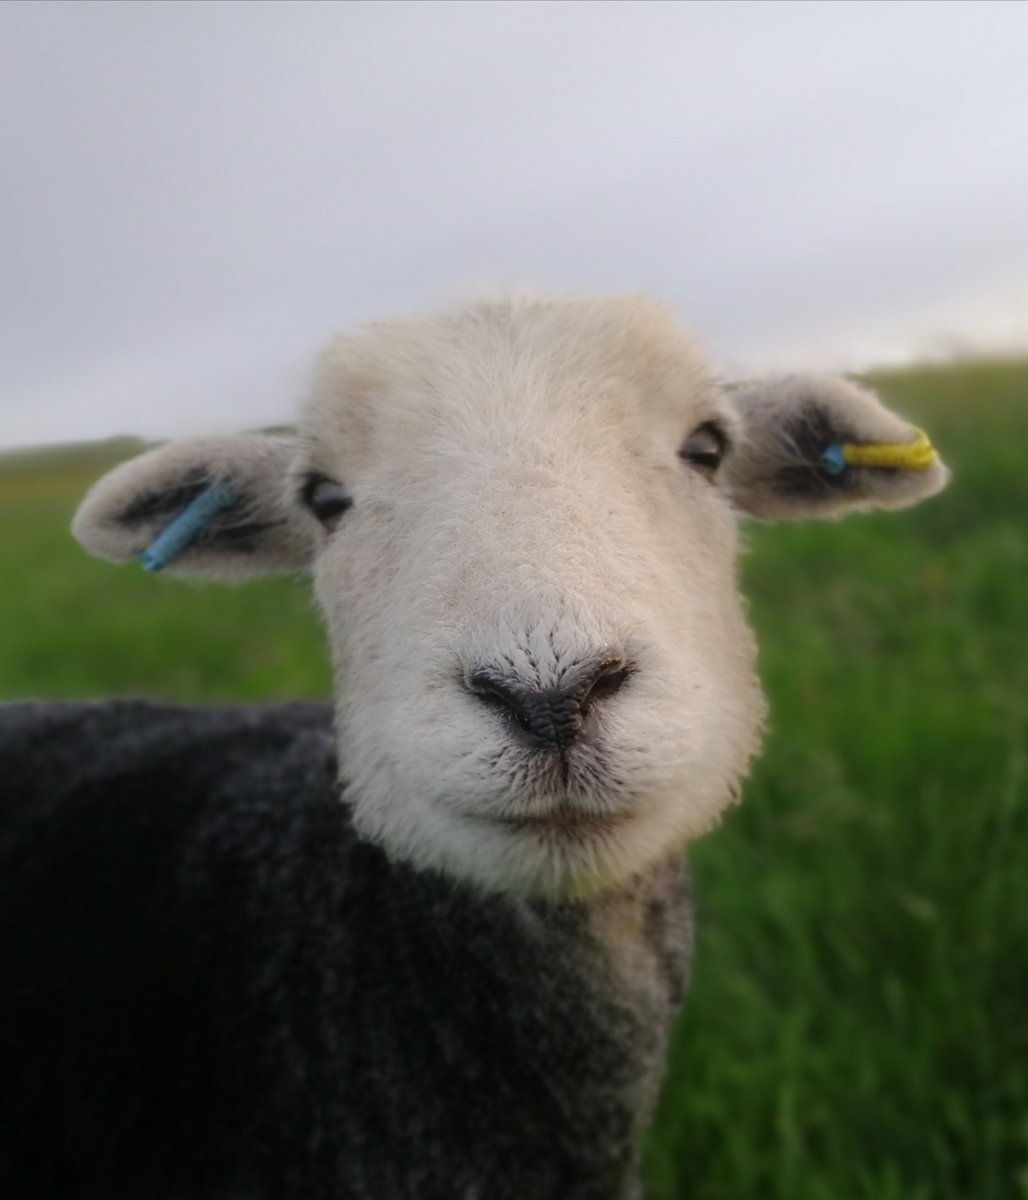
550	718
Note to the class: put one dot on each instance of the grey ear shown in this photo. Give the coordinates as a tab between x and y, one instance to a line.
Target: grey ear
820	446
227	508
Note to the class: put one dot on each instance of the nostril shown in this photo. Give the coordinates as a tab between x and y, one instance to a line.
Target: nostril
609	679
527	708
493	693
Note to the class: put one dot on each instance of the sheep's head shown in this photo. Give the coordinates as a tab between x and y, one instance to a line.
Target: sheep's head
521	525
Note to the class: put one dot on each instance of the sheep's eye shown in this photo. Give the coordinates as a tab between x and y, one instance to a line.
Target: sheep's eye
704	448
325	498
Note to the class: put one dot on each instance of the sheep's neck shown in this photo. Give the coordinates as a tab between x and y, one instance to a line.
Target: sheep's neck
644	931
544	1025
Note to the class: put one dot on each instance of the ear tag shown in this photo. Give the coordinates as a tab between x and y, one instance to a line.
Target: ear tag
187	527
833	459
917	455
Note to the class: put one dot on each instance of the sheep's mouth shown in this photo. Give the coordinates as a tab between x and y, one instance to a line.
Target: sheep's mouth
564	821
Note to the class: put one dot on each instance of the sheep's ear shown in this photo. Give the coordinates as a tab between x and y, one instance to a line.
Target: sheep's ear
813	446
220	507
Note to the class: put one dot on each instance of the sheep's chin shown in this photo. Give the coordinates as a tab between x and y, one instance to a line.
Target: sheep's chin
568	854
560	856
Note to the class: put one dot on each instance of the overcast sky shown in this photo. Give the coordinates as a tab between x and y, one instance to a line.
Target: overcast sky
194	195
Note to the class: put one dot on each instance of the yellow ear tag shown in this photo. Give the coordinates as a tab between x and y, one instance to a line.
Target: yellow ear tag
917	455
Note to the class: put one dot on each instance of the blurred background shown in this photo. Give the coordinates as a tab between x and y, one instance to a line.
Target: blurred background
193	196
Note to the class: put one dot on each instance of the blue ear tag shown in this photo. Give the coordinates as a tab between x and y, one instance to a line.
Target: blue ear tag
187	527
833	459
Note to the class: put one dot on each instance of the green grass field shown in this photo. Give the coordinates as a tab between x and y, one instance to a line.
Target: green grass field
857	1028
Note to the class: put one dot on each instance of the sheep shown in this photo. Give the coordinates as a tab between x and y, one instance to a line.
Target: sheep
430	946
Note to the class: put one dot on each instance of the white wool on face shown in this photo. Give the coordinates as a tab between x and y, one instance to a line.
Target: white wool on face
519	501
520	506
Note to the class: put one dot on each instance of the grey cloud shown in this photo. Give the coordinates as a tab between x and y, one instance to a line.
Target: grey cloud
195	194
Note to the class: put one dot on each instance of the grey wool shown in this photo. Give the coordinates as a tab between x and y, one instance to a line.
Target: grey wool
213	989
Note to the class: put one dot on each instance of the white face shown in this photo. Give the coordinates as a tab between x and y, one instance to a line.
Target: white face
545	680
